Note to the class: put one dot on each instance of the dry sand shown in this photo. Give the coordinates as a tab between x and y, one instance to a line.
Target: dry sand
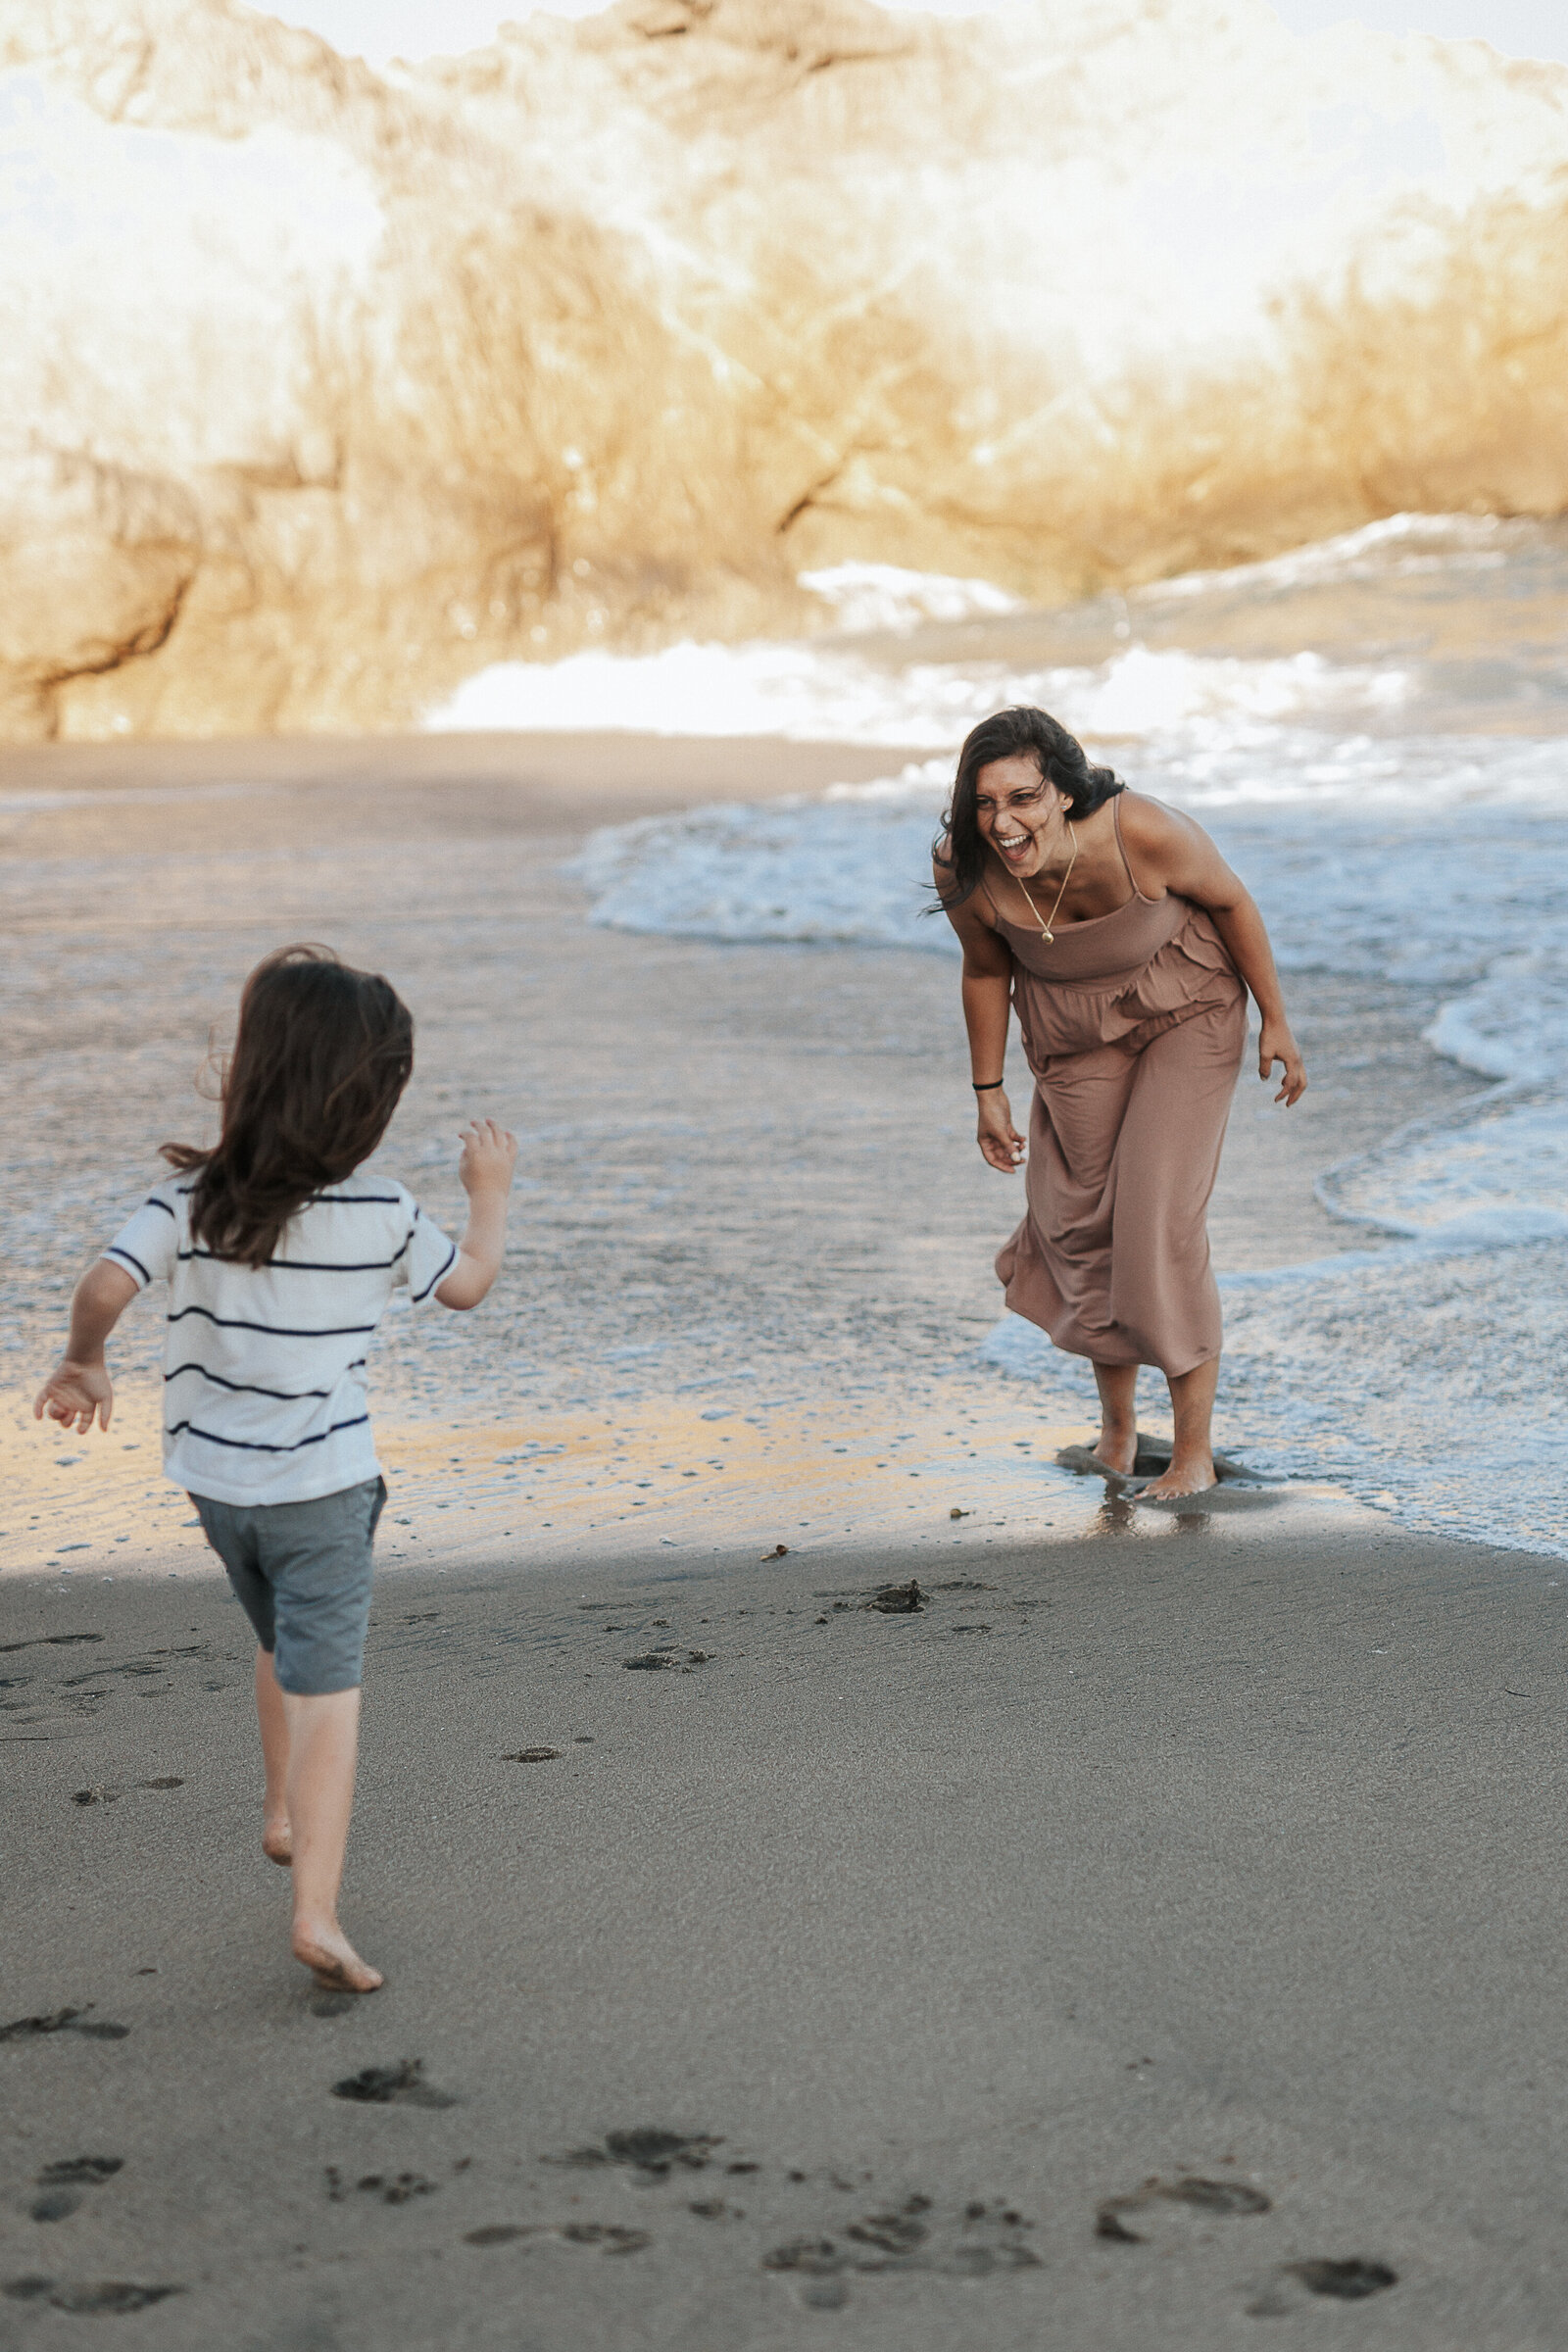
1215	1846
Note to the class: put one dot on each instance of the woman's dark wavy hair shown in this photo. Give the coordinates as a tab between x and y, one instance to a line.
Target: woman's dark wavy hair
1018	732
320	1058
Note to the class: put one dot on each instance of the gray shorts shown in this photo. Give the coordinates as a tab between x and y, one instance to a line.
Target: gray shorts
301	1571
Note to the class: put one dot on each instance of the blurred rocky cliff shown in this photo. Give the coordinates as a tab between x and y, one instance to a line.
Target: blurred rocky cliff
321	388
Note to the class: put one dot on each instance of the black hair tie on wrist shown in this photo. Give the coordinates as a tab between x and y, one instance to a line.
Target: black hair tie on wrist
990	1087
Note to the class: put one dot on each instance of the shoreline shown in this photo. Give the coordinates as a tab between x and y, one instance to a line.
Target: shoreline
747	1183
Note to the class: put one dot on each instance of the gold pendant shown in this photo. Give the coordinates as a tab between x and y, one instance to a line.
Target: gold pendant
1050	937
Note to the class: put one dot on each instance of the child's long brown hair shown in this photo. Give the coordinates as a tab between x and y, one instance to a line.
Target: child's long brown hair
321	1055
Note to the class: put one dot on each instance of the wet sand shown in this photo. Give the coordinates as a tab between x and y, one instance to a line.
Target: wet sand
1230	1855
1156	1847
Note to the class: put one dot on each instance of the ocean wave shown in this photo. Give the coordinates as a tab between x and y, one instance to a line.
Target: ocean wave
1442	631
819	693
885	597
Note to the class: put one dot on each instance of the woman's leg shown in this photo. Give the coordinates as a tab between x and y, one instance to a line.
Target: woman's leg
1117	1445
1192	1461
323	1740
270	1715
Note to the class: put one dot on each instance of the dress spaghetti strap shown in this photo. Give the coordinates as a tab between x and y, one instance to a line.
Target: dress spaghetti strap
1115	812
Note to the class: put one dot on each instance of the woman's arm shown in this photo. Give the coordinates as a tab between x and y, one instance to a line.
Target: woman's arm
987	1004
1175	854
78	1389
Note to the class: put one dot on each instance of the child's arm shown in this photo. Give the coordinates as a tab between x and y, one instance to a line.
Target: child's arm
489	1156
78	1389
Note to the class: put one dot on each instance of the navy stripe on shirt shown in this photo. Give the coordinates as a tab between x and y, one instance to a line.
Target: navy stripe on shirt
116	1250
323	1199
276	1331
304	1266
248	1446
418	1296
246	1387
153	1202
353	1200
251	1387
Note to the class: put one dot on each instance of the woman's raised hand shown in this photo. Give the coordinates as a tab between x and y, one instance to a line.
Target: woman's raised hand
1276	1045
999	1138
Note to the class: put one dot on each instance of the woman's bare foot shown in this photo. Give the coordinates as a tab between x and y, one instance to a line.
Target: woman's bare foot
278	1842
1117	1449
1117	1443
323	1948
1182	1478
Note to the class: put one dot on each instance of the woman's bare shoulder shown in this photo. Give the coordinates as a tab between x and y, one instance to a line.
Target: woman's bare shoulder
1151	819
1152	825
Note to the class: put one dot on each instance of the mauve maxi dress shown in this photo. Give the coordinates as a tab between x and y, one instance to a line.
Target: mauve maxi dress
1133	1024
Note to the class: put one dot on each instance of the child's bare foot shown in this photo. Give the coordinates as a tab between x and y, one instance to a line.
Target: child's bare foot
278	1842
332	1959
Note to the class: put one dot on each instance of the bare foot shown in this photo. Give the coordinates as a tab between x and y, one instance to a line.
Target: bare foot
1182	1478
332	1959
1118	1451
278	1842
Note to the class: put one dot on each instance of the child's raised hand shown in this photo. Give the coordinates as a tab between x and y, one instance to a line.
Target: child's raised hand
489	1156
76	1394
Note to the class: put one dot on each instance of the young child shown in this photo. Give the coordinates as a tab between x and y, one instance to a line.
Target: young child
280	1260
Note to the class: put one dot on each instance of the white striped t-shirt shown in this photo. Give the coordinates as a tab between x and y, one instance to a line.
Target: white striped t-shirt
264	1369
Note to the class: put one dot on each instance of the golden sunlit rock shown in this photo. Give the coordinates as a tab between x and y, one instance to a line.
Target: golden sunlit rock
325	390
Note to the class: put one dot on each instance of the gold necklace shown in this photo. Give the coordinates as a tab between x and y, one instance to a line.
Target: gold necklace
1045	932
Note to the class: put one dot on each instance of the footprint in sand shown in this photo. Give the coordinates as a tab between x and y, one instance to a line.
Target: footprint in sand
649	2150
1343	2279
62	2021
608	2236
394	2188
399	2085
983	2242
87	2295
49	1641
1220	2197
61	2183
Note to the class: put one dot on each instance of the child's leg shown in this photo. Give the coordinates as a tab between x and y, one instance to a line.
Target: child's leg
273	1722
323	1738
232	1532
317	1557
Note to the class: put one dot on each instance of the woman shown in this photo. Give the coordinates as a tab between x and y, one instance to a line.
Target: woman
1124	940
